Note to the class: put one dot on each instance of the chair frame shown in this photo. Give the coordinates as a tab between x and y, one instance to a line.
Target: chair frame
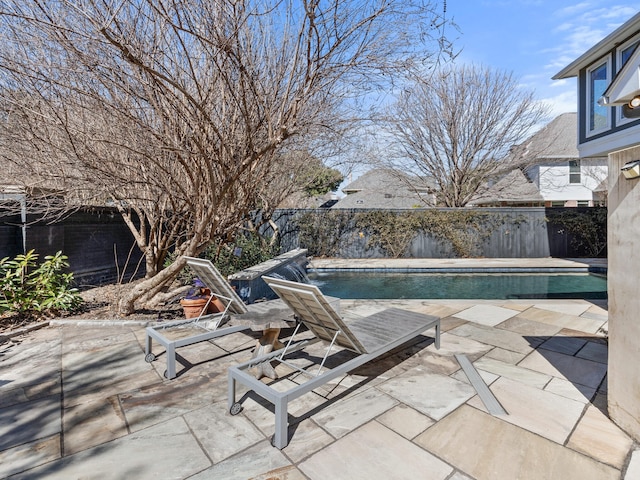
317	314
218	285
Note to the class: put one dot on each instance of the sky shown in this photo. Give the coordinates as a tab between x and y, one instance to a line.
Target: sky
534	39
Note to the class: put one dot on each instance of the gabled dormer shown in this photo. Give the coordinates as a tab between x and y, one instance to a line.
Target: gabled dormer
624	89
605	73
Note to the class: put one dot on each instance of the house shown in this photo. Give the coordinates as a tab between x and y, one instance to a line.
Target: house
608	76
385	188
512	190
550	173
602	125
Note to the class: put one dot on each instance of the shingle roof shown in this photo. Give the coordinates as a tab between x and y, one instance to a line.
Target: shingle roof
382	188
382	179
556	140
374	199
514	187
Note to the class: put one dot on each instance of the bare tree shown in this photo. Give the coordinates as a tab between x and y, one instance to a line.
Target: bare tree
456	127
294	181
174	111
299	178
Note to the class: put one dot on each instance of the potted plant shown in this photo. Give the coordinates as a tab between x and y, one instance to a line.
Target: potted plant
197	299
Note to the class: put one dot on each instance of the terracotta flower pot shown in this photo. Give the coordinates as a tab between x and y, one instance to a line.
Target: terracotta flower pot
193	306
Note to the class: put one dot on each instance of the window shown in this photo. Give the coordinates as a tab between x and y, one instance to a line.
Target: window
624	52
583	203
598	79
574	171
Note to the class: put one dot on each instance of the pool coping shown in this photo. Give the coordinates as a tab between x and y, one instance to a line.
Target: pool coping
459	265
524	270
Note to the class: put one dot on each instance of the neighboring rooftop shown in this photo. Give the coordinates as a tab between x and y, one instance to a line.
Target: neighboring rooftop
556	140
513	188
383	188
554	144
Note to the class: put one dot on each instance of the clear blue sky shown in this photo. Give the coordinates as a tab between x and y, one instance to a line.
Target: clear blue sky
535	39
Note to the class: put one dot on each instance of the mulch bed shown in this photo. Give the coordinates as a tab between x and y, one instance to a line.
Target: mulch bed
100	303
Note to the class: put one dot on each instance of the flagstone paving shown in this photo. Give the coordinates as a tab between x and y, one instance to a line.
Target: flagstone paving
490	315
81	402
486	447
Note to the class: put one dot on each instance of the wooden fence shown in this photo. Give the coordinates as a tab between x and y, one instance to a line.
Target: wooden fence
534	232
97	242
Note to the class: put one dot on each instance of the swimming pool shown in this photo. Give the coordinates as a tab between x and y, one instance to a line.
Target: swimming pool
488	286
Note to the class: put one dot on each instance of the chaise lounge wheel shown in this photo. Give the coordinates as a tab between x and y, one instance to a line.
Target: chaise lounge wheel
149	357
235	409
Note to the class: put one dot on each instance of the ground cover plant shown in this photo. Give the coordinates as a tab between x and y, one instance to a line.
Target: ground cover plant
32	291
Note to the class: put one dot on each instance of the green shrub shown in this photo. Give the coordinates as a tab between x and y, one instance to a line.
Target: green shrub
32	291
587	229
246	250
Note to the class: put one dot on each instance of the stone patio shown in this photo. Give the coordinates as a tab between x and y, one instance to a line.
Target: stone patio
79	401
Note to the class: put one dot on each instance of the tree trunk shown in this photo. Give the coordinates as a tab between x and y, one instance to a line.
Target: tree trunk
126	304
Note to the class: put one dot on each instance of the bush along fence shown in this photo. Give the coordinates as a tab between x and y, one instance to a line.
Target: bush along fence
33	290
446	233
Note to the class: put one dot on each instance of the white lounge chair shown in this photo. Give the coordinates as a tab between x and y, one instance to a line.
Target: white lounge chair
262	315
369	337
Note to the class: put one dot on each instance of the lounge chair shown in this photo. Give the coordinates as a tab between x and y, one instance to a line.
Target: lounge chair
369	337
262	316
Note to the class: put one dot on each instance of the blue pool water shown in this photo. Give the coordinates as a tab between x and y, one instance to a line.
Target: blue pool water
388	285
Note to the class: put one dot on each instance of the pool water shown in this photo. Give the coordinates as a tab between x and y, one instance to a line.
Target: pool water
387	285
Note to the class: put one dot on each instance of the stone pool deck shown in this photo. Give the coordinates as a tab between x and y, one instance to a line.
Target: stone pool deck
461	263
77	400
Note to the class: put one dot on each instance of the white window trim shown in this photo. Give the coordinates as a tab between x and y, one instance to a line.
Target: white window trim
589	133
620	118
579	172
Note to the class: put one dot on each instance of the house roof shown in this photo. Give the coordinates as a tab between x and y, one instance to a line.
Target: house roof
630	27
383	179
603	186
554	143
556	140
383	188
376	199
514	187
